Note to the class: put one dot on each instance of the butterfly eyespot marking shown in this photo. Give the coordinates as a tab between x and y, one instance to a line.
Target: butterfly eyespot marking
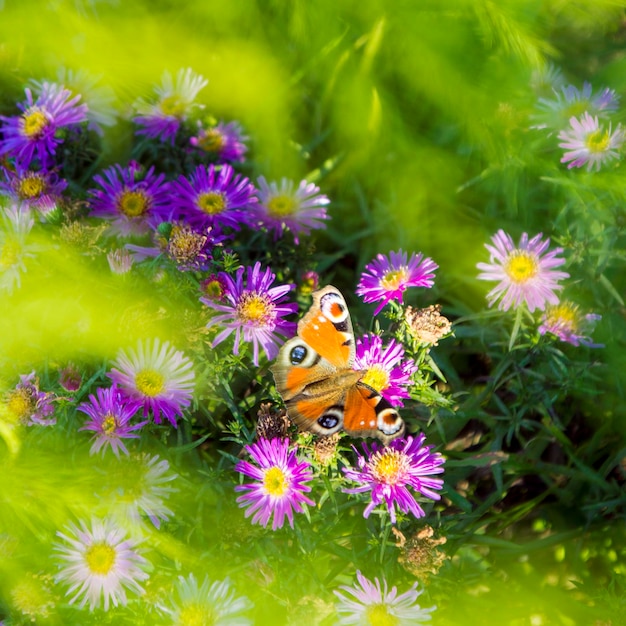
335	310
389	421
332	418
297	355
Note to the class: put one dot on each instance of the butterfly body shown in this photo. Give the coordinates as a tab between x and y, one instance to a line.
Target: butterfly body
314	374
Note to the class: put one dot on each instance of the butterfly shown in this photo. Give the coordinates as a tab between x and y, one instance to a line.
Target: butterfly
314	375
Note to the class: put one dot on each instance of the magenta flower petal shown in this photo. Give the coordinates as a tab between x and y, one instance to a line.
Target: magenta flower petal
389	472
110	414
279	483
254	310
387	278
386	369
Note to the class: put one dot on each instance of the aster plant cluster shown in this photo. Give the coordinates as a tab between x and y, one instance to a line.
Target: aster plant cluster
182	212
583	122
528	279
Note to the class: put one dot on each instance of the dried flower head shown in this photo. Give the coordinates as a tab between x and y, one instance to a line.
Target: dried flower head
325	448
427	325
420	554
271	424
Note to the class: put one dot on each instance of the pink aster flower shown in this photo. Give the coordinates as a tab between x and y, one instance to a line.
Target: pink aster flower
213	197
160	377
133	200
280	483
588	143
174	102
223	142
34	133
565	321
368	603
99	563
387	278
386	370
525	273
388	473
27	404
253	310
110	414
283	207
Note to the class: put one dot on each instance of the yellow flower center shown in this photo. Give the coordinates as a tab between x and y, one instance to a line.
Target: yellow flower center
212	141
378	615
173	105
521	267
193	614
19	404
389	466
33	123
149	382
109	424
31	186
394	279
211	203
9	254
565	315
254	309
275	482
132	203
376	377
598	141
279	206
100	558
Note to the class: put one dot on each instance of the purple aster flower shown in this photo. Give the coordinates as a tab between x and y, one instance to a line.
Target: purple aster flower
15	225
213	197
386	370
224	142
160	377
565	321
525	273
110	414
99	563
34	133
189	249
588	143
284	208
98	98
133	201
27	404
573	102
174	102
280	483
368	603
387	278
388	472
254	309
40	190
